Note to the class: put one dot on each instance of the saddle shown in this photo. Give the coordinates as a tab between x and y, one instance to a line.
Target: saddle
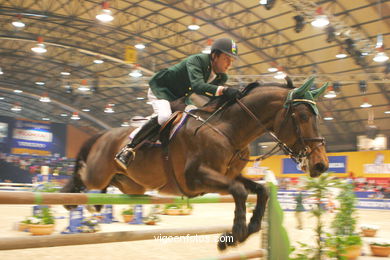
167	130
170	127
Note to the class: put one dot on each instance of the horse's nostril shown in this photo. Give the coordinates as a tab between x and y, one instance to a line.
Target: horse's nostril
320	167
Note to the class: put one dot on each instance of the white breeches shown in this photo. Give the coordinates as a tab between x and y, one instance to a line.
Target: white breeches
161	107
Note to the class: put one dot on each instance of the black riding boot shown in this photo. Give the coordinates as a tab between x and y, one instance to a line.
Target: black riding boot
126	155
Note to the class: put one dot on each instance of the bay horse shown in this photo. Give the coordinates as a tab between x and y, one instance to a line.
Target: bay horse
207	156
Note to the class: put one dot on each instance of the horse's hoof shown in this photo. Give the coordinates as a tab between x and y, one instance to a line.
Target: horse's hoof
254	227
225	240
70	207
240	232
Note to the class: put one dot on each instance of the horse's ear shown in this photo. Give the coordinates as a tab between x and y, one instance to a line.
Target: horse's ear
299	92
318	92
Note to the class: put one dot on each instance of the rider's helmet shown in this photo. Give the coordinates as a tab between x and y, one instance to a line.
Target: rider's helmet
225	45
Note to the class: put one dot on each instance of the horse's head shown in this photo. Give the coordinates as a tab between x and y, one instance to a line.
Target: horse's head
297	128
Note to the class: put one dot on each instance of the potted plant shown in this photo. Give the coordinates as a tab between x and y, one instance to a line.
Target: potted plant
380	248
172	209
128	214
369	230
152	219
319	189
23	225
89	225
42	224
186	209
345	242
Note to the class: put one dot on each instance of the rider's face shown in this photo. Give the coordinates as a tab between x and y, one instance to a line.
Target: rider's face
222	63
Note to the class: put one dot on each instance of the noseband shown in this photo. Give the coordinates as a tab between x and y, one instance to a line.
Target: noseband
299	156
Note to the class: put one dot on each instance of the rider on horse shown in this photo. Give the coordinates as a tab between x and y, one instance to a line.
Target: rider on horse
203	74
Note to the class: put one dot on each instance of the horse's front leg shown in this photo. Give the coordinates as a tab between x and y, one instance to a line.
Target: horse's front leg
212	181
262	197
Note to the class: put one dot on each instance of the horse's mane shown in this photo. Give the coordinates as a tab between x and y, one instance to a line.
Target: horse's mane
216	102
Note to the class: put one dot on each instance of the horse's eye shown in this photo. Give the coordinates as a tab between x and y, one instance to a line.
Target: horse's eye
303	116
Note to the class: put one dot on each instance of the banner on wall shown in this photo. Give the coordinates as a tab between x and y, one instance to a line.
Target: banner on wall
31	138
337	164
3	132
378	166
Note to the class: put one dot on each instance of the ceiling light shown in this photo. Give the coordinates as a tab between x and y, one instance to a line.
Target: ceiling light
280	75
136	72
109	109
98	61
105	14
140	98
263	2
341	55
40	83
1	72
387	111
139	46
125	124
193	26
328	118
85	109
63	114
45	98
45	119
84	86
380	57
65	73
207	50
365	103
330	94
1	98
39	47
273	69
18	91
16	107
18	24
320	20
75	116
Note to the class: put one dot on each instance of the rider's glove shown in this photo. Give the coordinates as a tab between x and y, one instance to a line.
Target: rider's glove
232	93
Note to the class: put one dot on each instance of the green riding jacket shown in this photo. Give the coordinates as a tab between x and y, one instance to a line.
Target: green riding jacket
187	77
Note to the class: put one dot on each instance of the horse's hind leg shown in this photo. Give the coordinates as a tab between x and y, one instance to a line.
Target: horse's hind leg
262	197
212	181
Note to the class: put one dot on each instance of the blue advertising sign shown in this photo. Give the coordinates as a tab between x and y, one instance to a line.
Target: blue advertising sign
337	164
32	138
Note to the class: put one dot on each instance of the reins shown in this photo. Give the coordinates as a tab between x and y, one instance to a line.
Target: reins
297	157
279	146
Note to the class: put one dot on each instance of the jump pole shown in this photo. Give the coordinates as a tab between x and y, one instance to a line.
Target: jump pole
45	198
11	243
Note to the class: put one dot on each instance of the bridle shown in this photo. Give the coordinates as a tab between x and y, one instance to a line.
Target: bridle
299	156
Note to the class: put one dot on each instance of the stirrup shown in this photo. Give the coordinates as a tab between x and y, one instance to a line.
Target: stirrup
123	158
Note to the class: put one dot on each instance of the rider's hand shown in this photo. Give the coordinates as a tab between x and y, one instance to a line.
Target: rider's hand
232	93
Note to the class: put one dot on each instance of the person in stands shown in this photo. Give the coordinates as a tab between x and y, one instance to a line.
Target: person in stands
203	74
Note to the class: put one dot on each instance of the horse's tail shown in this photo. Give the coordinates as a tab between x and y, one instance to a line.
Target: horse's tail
75	184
